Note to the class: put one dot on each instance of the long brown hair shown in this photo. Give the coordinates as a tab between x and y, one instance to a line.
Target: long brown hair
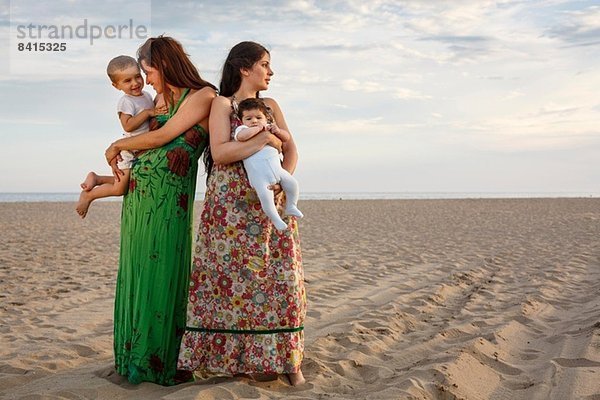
173	64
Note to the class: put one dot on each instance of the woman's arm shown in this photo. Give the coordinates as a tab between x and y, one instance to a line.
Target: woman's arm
290	152
194	110
222	149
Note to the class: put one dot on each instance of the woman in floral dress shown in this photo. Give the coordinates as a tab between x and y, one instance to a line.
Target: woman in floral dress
246	301
156	244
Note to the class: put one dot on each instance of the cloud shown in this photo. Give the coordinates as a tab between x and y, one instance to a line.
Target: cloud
578	27
354	85
407	94
375	125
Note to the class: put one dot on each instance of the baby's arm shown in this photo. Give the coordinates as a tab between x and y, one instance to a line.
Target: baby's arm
282	134
130	123
243	133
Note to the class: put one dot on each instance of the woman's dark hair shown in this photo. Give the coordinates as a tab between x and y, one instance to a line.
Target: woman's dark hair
242	55
173	64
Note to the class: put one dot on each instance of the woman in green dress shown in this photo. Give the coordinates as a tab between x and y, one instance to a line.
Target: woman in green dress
154	265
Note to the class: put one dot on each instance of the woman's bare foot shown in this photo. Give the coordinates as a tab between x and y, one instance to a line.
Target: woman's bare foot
91	181
296	378
84	203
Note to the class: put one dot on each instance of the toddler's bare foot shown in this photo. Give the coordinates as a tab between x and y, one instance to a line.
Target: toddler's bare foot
83	204
91	181
296	378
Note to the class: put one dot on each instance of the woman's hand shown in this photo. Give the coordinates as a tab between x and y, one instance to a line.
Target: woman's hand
273	140
111	152
117	172
276	188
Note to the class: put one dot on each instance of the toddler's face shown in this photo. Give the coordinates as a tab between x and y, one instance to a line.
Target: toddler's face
254	118
130	81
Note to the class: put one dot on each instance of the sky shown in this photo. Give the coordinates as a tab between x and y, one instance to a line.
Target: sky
380	95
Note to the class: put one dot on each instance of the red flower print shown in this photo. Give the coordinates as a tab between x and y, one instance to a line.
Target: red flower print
132	184
225	282
220	213
192	137
179	161
183	201
219	343
154	124
156	363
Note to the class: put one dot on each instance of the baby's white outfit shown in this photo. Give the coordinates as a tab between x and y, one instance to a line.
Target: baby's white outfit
133	105
264	169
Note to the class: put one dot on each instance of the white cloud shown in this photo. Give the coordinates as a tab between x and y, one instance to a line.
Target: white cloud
513	94
407	94
353	85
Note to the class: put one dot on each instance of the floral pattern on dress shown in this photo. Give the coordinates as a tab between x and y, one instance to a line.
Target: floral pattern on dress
246	276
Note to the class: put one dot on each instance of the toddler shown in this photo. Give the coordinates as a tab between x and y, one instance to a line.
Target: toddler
134	109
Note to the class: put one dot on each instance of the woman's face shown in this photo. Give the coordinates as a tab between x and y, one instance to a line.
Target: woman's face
260	73
153	77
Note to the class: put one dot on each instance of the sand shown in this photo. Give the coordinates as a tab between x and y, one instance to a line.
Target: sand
408	299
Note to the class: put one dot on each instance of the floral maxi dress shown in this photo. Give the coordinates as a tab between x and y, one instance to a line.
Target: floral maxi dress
154	265
247	301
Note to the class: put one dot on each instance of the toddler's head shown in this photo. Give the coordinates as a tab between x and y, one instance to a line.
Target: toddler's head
253	112
124	73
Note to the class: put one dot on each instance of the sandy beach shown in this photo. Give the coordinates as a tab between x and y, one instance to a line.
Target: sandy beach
408	299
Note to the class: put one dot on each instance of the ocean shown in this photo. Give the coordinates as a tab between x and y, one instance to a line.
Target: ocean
72	197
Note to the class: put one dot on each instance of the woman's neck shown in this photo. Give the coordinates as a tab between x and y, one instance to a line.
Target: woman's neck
176	92
244	93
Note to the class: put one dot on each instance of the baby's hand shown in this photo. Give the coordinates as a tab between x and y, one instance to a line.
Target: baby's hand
273	128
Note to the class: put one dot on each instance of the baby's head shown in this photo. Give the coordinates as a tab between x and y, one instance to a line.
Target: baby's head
253	112
124	73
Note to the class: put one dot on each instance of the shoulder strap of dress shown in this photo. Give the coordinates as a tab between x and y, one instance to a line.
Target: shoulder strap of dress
183	95
234	105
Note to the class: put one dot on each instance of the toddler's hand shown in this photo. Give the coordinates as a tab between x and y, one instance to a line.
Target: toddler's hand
157	110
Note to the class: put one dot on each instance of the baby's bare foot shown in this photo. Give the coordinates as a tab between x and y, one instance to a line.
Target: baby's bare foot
296	378
83	204
91	181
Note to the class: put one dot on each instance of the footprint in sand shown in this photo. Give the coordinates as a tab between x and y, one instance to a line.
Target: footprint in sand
576	362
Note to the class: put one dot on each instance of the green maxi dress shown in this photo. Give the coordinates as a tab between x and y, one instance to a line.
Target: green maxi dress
155	258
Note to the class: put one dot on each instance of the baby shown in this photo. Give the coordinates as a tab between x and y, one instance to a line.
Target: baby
264	167
134	109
